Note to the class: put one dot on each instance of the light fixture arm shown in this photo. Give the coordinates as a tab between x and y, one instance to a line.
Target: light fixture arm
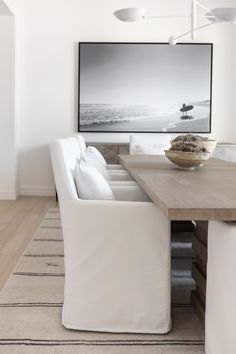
193	20
214	16
165	16
195	29
194	5
203	7
175	16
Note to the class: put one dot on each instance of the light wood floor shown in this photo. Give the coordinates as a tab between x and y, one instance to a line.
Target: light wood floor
18	222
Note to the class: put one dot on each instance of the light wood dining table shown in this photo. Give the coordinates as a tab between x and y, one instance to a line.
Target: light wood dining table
205	193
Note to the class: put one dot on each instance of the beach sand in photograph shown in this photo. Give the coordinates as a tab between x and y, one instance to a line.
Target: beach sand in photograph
152	125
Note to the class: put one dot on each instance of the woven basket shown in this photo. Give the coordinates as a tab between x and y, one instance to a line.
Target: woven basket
187	159
209	145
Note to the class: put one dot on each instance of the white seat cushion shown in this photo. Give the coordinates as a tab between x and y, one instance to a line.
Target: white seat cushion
91	158
91	184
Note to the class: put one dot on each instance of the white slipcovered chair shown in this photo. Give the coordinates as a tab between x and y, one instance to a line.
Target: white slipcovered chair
149	144
117	256
221	288
225	152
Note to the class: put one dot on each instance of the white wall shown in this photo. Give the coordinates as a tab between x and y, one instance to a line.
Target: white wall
4	9
47	34
7	114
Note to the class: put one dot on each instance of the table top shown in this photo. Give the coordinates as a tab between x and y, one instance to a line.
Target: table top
206	193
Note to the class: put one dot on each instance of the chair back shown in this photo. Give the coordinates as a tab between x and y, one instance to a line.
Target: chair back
150	145
225	152
64	156
81	142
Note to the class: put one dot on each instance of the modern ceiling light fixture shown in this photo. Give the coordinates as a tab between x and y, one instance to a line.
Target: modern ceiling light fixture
216	15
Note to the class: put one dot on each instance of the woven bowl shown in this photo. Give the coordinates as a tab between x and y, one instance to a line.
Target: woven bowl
187	160
209	145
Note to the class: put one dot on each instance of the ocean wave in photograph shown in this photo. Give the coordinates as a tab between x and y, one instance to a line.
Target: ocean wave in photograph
111	117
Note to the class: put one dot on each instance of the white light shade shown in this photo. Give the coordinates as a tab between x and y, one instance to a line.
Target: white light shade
223	14
130	14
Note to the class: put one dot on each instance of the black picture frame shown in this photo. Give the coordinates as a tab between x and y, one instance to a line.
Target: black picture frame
146	131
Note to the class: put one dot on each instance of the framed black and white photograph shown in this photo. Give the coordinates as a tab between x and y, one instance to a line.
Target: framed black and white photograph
145	87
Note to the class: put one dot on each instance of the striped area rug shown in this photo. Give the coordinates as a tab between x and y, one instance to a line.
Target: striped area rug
31	304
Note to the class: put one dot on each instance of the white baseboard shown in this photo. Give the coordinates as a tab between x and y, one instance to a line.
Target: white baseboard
8	194
37	191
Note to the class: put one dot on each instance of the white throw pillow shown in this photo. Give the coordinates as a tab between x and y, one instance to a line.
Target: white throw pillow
92	159
96	152
91	184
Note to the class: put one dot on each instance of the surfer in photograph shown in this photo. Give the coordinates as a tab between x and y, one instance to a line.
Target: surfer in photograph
185	109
